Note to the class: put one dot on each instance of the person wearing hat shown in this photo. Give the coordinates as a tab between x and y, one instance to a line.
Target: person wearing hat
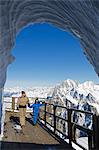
36	107
22	103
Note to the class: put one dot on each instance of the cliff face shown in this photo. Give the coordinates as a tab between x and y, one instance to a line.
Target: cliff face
80	17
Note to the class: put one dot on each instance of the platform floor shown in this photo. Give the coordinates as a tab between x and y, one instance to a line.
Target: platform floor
34	137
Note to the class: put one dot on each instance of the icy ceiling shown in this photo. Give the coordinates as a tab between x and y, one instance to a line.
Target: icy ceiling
80	17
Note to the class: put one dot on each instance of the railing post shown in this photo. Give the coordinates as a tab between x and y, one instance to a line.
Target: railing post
69	126
89	141
13	103
66	101
74	133
54	107
45	114
96	132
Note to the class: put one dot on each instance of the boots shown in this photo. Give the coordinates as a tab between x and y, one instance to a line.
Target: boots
23	129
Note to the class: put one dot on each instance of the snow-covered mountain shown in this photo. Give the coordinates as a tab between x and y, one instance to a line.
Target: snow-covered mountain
74	91
77	93
70	90
83	96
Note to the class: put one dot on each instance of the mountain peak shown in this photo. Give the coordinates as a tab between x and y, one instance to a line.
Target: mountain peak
86	91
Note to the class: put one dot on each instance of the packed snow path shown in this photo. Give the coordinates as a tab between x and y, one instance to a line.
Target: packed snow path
35	137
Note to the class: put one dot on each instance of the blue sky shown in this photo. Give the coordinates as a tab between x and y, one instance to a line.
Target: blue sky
46	55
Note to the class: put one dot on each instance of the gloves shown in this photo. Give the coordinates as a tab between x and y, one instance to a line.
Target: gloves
17	108
28	104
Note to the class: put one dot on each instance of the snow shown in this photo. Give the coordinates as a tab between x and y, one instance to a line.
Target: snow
77	92
83	141
3	118
74	101
76	147
17	127
96	106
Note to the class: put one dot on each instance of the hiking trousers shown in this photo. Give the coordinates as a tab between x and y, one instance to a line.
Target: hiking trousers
22	113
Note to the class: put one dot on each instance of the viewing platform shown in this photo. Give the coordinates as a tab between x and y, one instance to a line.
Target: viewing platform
34	137
52	130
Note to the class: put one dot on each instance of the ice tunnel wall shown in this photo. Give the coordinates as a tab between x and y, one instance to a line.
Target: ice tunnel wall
80	17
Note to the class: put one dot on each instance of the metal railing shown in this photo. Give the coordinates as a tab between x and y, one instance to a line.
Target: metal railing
11	105
72	126
92	134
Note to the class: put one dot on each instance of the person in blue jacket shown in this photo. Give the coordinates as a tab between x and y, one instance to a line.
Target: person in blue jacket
36	107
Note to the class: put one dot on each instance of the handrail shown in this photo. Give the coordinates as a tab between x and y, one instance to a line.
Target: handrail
70	123
73	109
82	111
87	130
65	107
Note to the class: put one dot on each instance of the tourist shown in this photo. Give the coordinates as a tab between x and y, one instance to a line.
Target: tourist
36	107
21	106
